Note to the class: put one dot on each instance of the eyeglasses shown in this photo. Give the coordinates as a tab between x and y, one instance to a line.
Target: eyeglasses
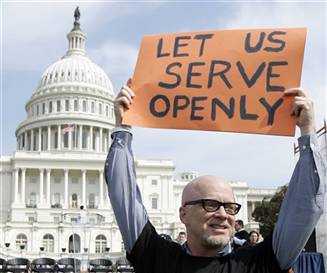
210	205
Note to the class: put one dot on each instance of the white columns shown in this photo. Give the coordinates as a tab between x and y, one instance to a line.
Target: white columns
40	139
91	138
83	187
16	185
41	186
66	188
59	137
49	138
23	186
48	186
101	141
101	187
80	137
32	140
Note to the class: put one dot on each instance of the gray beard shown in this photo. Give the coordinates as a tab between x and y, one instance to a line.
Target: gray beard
212	243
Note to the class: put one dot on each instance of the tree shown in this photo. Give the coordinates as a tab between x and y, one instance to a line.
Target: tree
267	212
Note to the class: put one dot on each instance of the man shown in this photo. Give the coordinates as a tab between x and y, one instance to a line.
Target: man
241	233
181	238
208	210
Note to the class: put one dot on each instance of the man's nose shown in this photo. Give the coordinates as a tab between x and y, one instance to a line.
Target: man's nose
221	213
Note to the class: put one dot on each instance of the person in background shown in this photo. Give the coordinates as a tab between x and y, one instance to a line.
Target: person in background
240	233
181	238
253	238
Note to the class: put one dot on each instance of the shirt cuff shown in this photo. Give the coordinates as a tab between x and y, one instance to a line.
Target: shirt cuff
122	128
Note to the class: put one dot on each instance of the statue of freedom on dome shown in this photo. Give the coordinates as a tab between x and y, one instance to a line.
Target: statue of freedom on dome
77	14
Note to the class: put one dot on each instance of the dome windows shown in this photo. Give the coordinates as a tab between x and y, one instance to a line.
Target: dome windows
58	106
100	109
84	106
66	105
92	107
75	105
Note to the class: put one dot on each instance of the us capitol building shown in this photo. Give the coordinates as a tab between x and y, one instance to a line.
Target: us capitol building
54	198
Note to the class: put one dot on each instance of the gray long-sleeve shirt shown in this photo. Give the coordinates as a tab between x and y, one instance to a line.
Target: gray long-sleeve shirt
298	216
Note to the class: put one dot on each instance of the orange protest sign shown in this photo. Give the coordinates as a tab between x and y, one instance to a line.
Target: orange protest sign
230	80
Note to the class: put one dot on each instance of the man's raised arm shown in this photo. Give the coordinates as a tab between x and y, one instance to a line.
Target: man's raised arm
303	203
120	176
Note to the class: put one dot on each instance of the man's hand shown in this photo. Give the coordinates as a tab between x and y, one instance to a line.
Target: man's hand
303	110
122	103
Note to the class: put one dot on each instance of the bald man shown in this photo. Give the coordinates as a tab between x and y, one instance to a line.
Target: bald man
208	209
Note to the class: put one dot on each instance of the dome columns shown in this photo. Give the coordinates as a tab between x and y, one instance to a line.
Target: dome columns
80	138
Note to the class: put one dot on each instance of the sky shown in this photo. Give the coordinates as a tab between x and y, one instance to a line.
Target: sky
33	36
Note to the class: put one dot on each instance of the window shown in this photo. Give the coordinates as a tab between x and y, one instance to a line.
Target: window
154	202
94	142
154	182
43	108
21	241
92	107
84	106
107	110
84	139
66	105
58	105
91	181
37	110
50	106
33	180
74	200
91	201
48	243
31	219
66	138
57	198
100	244
75	105
100	108
74	180
33	199
57	180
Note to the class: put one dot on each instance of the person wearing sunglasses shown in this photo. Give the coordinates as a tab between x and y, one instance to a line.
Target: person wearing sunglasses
209	210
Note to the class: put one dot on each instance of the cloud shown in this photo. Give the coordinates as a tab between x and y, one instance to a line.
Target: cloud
115	57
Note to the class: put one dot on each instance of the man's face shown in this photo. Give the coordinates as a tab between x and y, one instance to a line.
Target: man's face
212	230
237	226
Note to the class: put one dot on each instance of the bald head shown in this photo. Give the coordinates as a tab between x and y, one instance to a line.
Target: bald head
207	186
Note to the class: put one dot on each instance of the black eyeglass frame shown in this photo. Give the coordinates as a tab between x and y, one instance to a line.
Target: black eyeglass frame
219	204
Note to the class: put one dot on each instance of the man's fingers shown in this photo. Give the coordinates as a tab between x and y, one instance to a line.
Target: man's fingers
125	93
294	92
124	101
128	90
300	105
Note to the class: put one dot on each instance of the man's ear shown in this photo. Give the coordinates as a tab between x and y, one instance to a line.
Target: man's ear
182	215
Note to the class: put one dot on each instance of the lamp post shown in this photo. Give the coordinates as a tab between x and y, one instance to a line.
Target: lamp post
7	249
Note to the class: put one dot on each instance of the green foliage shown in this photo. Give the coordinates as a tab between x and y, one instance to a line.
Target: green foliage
267	212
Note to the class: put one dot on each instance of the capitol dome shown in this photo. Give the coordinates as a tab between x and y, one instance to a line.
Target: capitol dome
75	68
72	108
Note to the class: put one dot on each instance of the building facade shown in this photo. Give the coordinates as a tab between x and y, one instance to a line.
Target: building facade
53	195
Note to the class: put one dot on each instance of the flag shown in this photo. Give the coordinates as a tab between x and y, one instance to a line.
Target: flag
69	128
